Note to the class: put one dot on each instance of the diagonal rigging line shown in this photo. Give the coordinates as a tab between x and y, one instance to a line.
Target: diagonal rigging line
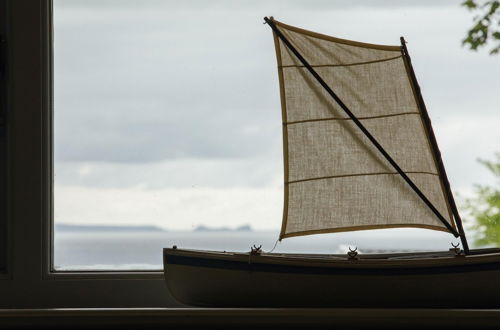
320	80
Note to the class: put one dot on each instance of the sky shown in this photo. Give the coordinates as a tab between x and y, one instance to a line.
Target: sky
167	113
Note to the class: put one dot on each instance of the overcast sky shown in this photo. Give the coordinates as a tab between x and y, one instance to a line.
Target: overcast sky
168	113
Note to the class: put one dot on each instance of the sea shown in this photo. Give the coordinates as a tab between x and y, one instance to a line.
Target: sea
88	250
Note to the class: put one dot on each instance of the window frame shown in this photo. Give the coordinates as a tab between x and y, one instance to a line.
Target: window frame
3	149
30	280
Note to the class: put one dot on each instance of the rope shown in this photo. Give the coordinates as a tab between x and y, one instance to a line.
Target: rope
274	246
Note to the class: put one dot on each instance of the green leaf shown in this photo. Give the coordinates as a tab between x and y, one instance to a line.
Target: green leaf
484	208
481	32
470	4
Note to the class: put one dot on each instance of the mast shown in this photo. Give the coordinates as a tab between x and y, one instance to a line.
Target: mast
361	127
434	145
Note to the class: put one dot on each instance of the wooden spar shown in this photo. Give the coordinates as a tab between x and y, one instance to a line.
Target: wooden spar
434	145
320	80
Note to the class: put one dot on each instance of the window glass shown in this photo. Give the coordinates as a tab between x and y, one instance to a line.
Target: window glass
168	126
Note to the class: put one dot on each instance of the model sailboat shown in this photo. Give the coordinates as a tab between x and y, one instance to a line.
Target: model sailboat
359	153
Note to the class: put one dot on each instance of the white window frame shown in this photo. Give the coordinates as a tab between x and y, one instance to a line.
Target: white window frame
30	281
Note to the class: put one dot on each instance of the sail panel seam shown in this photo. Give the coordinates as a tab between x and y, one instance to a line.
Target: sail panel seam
358	174
362	227
341	65
360	118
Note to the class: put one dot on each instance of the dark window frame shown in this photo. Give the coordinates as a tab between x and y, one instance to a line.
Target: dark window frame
29	280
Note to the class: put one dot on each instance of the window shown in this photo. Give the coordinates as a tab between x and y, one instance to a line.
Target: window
30	281
163	133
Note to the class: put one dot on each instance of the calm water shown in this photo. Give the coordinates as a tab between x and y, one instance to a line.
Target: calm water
143	250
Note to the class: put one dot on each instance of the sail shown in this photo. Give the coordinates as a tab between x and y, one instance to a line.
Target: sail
335	178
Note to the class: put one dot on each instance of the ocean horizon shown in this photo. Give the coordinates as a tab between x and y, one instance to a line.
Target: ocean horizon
89	250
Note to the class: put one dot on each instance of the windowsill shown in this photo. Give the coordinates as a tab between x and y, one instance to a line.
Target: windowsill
106	274
345	317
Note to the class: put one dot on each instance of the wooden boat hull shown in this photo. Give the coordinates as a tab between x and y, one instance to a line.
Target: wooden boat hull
224	279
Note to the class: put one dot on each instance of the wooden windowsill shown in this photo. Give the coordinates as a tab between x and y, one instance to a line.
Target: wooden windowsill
230	317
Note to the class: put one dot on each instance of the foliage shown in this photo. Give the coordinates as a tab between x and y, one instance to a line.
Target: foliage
485	207
486	25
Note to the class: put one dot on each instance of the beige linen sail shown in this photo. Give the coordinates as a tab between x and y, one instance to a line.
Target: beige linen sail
335	179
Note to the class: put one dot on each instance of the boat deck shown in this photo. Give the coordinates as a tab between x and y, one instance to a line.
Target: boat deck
388	260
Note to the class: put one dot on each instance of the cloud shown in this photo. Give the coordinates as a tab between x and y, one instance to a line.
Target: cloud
170	208
127	90
179	173
151	101
302	5
460	152
147	83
